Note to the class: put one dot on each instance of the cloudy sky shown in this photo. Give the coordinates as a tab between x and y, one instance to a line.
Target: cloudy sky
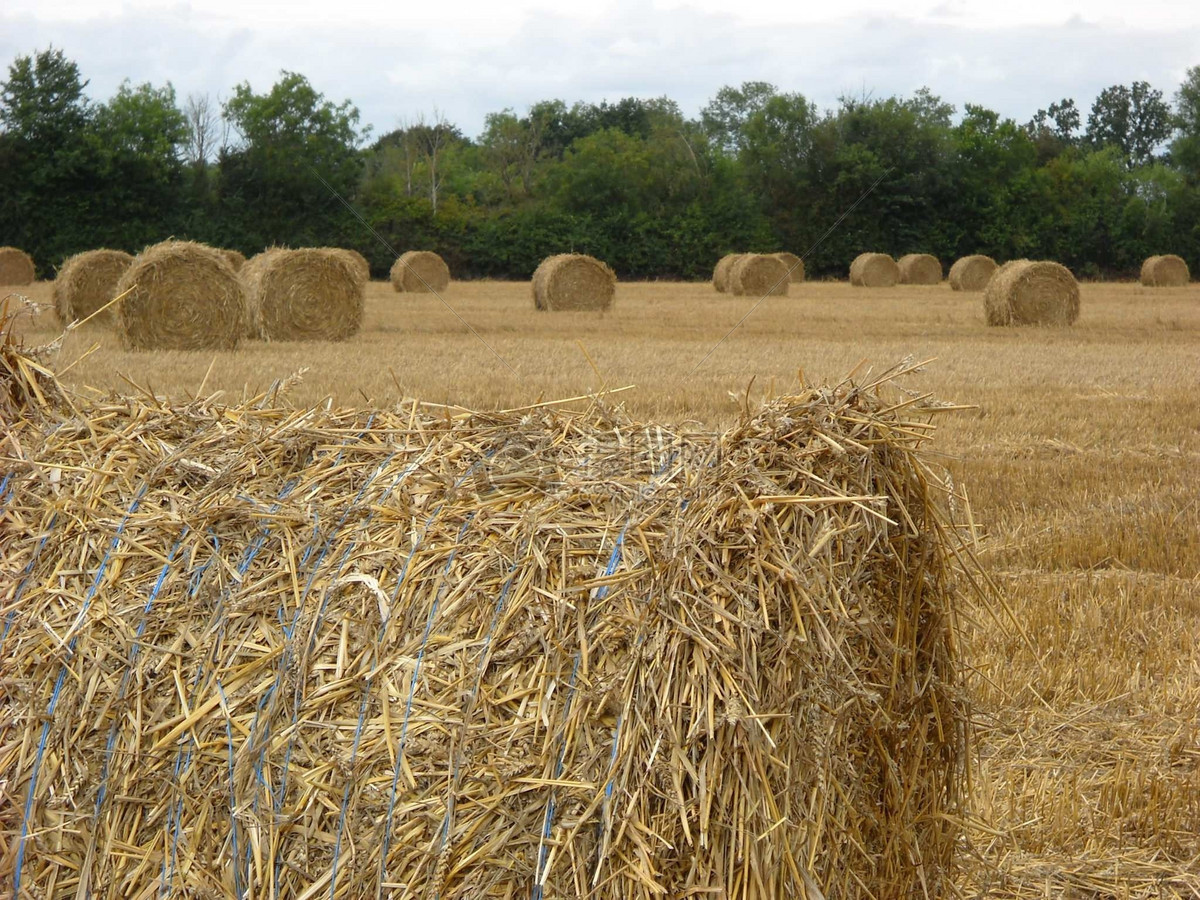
469	57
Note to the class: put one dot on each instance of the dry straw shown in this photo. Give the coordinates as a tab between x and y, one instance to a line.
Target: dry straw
371	653
758	274
573	281
302	295
1024	292
874	270
86	282
420	271
16	267
794	264
919	268
972	273
721	271
361	266
181	296
235	259
1165	271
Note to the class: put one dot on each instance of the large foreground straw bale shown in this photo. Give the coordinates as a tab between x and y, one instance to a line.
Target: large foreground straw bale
794	264
874	270
1168	270
919	268
235	258
315	294
86	282
1024	292
972	273
361	266
182	296
477	655
16	267
720	278
758	274
573	281
420	271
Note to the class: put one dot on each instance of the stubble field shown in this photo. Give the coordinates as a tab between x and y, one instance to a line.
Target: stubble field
1080	453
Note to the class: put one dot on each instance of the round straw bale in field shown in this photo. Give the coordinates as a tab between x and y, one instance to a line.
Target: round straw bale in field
1024	292
874	270
794	264
420	271
581	643
721	270
235	258
758	274
919	268
1165	271
16	266
971	273
314	294
573	281
86	281
182	296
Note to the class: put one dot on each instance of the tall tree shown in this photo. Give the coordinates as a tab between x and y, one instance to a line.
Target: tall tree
1185	149
726	115
1134	119
298	153
48	167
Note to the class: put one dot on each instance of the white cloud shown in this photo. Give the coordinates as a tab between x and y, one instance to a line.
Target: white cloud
468	58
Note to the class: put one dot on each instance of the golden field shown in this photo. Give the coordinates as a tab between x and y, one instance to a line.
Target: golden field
1080	452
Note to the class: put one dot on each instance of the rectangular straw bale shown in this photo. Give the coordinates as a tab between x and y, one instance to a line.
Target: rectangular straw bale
475	654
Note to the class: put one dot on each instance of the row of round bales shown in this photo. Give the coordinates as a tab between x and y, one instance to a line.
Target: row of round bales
1020	292
180	295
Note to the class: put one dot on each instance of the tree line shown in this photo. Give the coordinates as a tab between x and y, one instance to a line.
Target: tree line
635	182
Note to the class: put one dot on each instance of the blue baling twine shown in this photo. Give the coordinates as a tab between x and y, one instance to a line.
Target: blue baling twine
58	683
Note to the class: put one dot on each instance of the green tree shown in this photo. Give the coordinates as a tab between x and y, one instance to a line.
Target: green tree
1185	148
298	153
726	115
1134	119
48	168
139	138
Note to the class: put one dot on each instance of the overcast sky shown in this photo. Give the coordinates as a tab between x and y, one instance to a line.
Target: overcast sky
467	58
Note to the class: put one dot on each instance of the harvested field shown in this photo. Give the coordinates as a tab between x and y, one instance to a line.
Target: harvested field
1079	457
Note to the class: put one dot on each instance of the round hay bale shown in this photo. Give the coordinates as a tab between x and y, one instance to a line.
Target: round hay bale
794	264
971	273
420	271
16	266
1168	270
720	279
182	296
919	268
874	270
573	281
1024	292
314	294
86	282
758	274
235	259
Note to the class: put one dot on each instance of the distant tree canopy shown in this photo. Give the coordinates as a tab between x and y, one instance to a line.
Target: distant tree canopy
634	181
